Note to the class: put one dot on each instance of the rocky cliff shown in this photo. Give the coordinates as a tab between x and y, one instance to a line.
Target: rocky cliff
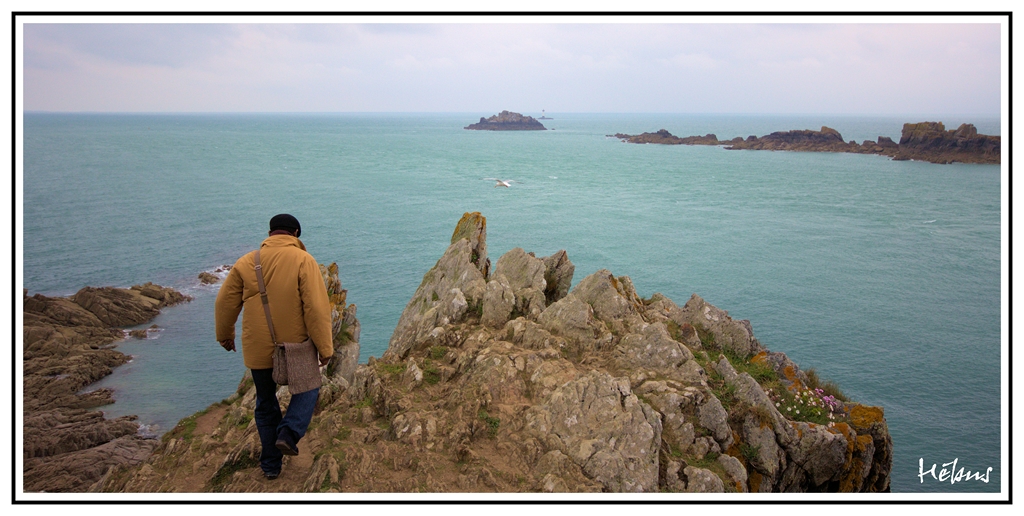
925	141
507	380
68	344
507	121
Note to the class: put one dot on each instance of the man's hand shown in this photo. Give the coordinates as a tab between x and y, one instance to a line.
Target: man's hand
324	361
228	344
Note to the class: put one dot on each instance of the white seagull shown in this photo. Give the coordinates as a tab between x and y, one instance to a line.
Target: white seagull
501	182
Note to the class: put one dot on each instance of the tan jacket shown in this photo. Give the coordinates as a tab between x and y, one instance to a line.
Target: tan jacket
296	293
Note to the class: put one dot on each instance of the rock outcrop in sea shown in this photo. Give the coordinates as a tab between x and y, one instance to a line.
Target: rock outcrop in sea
505	379
507	121
924	141
68	345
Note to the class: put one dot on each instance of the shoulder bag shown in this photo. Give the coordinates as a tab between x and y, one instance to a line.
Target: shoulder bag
296	364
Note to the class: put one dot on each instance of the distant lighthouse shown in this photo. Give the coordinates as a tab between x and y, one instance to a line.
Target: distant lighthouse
543	116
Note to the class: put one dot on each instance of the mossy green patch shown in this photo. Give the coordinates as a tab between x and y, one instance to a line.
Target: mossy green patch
437	352
493	423
431	374
223	475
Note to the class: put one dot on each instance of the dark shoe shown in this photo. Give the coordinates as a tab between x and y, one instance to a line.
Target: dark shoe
270	476
286	447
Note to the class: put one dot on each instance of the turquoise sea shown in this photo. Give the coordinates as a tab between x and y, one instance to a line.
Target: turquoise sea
883	276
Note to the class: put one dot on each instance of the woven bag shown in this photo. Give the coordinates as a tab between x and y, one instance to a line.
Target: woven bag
296	364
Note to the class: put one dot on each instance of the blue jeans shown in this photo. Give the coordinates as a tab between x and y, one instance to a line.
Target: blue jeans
269	423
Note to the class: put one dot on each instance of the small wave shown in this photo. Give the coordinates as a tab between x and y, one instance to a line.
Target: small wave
553	177
151	333
148	431
929	221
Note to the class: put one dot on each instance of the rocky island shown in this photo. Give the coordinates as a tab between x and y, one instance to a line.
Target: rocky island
503	379
507	121
924	141
68	345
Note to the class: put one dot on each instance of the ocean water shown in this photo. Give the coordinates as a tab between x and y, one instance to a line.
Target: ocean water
883	276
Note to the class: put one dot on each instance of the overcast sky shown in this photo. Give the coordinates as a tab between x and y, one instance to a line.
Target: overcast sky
861	68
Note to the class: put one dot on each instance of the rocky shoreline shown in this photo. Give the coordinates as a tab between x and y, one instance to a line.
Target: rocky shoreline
503	379
507	121
68	345
924	141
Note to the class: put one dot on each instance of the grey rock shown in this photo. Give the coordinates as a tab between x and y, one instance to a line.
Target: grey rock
573	320
499	301
604	429
676	404
702	481
522	270
525	275
83	470
346	355
473	228
558	271
713	417
556	472
735	470
819	452
443	297
531	335
729	334
614	300
654	349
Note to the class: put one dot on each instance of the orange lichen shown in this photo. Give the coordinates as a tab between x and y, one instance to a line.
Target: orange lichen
840	428
863	416
857	451
754	480
759	358
789	373
799	431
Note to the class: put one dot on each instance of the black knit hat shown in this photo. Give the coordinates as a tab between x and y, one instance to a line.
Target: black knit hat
286	222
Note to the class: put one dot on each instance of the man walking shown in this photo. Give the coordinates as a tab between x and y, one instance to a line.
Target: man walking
300	309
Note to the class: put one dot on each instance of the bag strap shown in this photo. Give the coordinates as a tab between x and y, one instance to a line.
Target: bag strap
263	296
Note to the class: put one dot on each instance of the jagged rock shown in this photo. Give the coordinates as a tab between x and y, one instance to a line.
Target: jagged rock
734	469
346	349
573	320
597	422
556	472
120	307
713	417
499	301
677	405
600	391
444	297
473	227
80	470
58	312
558	271
54	432
700	480
653	349
733	335
67	347
507	121
870	422
525	275
818	452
